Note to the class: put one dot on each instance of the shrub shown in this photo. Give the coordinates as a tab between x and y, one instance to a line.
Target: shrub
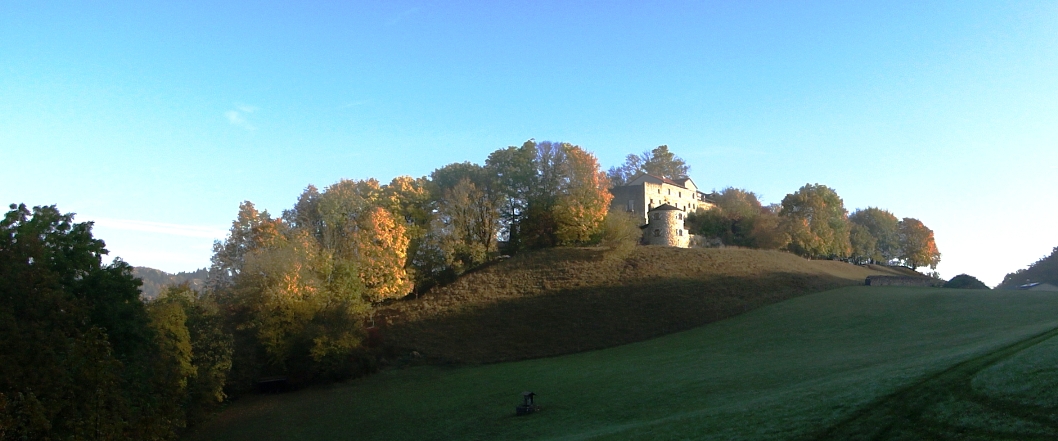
965	281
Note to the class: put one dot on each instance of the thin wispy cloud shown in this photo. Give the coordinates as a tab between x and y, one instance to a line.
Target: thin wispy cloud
726	152
198	231
237	116
353	104
400	17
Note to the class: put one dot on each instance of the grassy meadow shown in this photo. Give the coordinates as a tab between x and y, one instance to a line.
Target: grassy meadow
849	363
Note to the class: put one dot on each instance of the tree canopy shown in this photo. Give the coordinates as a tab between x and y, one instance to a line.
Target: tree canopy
816	221
965	281
878	239
658	162
738	219
917	246
83	358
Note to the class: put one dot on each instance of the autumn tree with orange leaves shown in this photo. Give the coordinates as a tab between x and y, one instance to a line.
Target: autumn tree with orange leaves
917	246
583	198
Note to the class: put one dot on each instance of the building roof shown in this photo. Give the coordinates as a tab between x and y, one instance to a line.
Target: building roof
681	182
664	207
1041	286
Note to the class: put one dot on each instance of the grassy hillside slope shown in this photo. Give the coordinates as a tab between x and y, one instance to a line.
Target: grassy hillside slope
569	300
831	365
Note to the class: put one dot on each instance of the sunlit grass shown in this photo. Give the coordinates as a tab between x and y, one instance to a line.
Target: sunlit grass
783	371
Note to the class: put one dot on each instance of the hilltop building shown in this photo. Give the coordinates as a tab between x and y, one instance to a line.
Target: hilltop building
665	227
662	206
1038	287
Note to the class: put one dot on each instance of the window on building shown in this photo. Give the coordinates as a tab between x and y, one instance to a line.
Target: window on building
679	216
670	192
657	232
631	205
679	193
679	232
657	215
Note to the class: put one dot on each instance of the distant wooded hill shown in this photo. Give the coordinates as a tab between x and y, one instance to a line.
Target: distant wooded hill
154	280
1044	270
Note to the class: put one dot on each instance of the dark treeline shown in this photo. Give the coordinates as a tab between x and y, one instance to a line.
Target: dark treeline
1044	270
290	297
82	356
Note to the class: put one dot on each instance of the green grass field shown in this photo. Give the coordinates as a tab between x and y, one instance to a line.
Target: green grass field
851	363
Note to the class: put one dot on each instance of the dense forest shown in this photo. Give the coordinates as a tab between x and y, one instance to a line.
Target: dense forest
291	296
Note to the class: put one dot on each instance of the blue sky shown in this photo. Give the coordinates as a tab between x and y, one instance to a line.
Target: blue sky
157	119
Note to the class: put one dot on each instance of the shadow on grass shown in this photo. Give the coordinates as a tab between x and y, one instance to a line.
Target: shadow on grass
574	320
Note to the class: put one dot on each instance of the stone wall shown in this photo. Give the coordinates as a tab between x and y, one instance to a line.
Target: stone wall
902	281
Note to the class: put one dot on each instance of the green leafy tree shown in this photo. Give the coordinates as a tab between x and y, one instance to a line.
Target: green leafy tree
767	230
515	174
733	219
816	221
210	347
965	281
658	162
77	347
570	200
468	221
620	233
917	246
883	227
864	245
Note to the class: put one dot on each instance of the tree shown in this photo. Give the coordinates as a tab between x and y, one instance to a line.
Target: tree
210	347
584	199
965	281
412	200
1043	270
515	176
816	221
882	226
917	246
658	162
468	221
570	198
732	220
245	235
382	249
619	233
864	245
767	231
77	347
343	206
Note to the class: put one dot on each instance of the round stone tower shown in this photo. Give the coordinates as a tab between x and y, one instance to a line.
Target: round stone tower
665	227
